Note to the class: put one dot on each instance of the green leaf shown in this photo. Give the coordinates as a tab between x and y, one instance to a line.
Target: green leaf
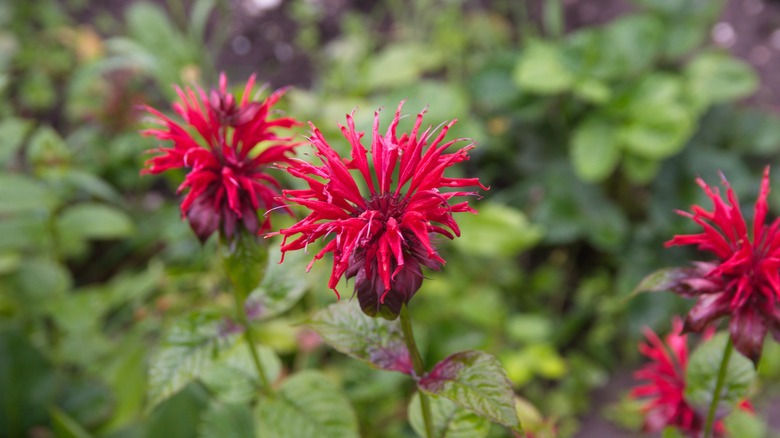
19	193
496	231
65	426
179	416
373	340
661	137
232	377
13	130
640	170
449	420
28	383
41	279
662	280
745	424
186	352
307	405
475	381
47	149
95	221
227	420
541	69
245	258
702	374
281	288
595	149
718	77
402	64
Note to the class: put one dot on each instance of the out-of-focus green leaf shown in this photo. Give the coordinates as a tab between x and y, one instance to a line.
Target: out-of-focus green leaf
25	231
95	221
187	351
29	385
475	381
374	340
496	231
65	426
12	130
639	170
281	287
702	374
718	77
745	424
663	280
659	138
541	69
307	405
20	193
227	420
233	377
595	149
42	279
179	416
47	149
449	419
402	64
529	327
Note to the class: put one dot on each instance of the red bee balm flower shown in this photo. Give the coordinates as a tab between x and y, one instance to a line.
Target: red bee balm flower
381	235
744	283
664	385
235	141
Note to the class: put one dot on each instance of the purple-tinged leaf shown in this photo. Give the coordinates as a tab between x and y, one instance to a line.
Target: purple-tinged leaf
475	381
374	340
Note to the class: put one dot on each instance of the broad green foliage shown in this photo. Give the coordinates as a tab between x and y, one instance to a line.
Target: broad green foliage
474	381
374	340
282	286
307	405
449	420
702	375
497	230
228	420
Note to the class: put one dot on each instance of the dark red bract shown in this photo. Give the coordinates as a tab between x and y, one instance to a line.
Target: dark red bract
226	146
743	284
379	228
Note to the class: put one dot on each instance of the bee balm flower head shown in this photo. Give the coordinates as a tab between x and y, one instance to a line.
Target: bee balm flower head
377	214
225	145
743	282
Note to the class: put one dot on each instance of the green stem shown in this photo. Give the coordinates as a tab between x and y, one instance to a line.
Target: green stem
724	365
419	369
265	385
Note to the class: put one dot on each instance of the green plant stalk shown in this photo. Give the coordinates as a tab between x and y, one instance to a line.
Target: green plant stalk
419	369
724	365
265	385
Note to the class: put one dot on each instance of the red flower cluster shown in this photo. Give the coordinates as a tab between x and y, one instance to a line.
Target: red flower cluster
664	385
381	234
235	141
744	283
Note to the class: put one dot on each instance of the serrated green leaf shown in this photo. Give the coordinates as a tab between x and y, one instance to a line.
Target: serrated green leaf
702	374
232	377
187	350
595	149
497	231
227	420
541	69
373	340
307	405
281	288
95	221
475	381
449	420
19	193
718	77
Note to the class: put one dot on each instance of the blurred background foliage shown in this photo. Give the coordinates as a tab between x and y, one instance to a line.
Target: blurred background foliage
588	137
